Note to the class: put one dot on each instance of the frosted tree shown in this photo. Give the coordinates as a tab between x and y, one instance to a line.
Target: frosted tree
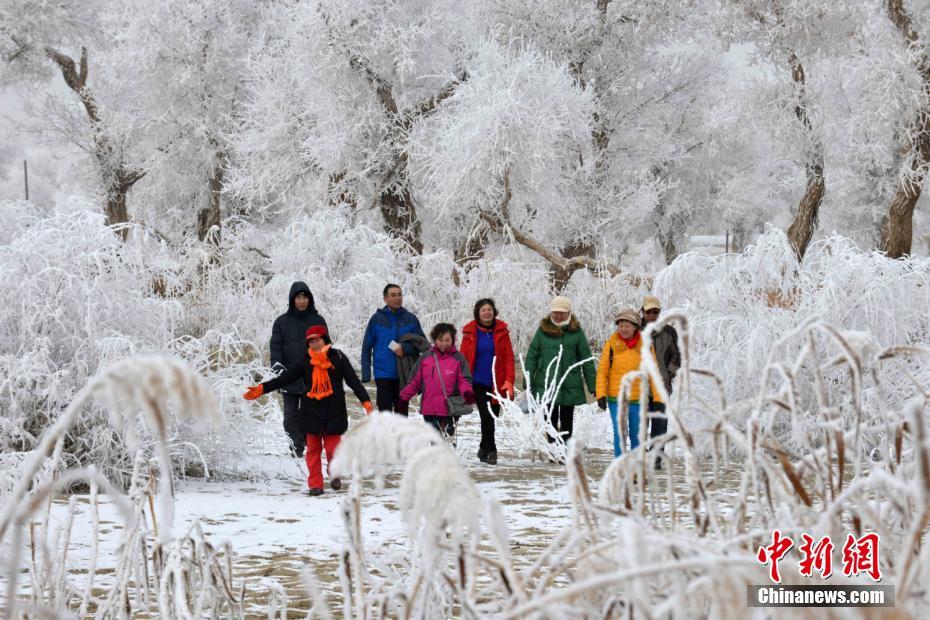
182	67
502	153
912	25
354	79
642	122
790	37
35	41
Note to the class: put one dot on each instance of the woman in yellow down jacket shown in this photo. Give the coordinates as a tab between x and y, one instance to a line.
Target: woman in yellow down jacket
622	354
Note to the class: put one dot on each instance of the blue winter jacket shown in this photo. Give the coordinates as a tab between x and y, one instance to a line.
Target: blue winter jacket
383	327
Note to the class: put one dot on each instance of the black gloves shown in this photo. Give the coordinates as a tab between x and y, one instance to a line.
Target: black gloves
602	403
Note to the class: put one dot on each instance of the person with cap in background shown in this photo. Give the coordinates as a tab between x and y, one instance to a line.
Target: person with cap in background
668	358
622	354
287	348
560	333
322	415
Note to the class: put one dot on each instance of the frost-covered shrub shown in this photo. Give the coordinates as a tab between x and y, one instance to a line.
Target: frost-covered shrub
179	575
746	311
82	299
75	298
680	541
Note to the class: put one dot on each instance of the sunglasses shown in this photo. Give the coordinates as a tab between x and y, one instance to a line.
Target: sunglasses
651	311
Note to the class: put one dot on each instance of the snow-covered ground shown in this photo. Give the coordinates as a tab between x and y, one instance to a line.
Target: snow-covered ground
276	528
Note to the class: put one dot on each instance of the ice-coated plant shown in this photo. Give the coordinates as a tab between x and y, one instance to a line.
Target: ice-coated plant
681	540
799	405
155	568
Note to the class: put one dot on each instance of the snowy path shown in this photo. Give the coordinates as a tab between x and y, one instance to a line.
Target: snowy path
276	528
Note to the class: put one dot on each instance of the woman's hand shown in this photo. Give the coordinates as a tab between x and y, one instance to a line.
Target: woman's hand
507	390
254	392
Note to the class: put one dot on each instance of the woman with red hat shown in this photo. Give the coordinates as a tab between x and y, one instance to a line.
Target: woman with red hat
323	415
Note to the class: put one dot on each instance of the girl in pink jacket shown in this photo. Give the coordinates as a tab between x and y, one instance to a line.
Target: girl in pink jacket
441	363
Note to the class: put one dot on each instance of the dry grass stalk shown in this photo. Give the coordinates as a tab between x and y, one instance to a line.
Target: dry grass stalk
627	551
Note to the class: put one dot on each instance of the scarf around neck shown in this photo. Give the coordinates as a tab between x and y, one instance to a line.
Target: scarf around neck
632	342
321	386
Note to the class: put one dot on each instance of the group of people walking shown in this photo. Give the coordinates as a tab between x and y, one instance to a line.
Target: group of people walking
484	363
403	364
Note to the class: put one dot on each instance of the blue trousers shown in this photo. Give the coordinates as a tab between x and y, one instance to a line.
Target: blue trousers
633	411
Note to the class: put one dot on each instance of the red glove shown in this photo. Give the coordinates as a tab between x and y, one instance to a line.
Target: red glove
254	392
507	390
368	407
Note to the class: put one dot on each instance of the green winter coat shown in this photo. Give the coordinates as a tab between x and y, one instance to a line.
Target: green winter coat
544	348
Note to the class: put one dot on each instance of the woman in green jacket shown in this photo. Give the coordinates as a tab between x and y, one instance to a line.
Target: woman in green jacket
561	332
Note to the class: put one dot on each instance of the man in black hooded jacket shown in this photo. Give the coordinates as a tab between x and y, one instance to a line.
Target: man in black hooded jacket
289	347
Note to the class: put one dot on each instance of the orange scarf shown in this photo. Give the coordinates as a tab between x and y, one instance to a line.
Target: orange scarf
321	386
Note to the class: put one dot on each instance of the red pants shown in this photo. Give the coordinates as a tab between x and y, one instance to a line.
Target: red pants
315	445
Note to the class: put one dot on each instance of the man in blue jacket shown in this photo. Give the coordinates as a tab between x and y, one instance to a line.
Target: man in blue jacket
289	347
382	346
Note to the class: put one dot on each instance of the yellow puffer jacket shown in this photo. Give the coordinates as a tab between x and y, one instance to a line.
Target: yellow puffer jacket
625	359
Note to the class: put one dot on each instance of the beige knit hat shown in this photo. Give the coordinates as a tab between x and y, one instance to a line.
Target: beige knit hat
560	304
629	315
651	302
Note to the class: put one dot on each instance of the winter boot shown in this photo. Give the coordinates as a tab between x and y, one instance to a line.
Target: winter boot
336	483
492	457
483	455
316	492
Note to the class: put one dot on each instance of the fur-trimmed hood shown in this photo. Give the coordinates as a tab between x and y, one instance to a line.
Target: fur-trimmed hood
554	331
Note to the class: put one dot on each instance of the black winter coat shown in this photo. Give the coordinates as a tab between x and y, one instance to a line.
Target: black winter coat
665	342
288	343
326	416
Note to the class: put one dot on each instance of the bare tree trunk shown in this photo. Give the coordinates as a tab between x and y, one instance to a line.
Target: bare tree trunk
897	235
115	208
210	217
805	219
400	217
669	247
899	228
394	199
118	177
